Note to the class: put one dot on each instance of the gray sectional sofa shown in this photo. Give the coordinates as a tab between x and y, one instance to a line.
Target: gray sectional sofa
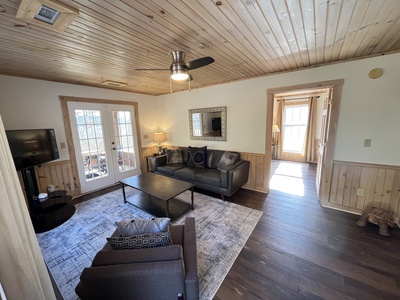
146	274
217	171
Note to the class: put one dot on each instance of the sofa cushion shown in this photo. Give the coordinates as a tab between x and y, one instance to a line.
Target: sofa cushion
217	154
174	156
139	226
197	157
227	159
187	173
127	256
140	241
210	177
170	169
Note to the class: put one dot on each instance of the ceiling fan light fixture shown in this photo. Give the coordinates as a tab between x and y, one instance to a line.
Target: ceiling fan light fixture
179	74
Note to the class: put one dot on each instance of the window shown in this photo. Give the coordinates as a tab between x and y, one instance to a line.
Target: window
197	124
294	129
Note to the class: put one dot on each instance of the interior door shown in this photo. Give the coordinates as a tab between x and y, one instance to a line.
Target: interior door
321	148
105	143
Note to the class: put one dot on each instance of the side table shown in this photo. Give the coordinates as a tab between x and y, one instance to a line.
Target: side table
52	212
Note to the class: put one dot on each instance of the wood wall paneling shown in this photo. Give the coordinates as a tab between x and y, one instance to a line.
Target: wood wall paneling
380	185
257	180
58	174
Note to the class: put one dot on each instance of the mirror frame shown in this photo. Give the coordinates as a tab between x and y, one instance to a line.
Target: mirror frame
222	110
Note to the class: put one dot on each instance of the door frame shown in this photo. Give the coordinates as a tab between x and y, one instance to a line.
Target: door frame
327	168
68	133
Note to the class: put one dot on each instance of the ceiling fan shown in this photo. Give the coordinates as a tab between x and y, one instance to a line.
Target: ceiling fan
179	69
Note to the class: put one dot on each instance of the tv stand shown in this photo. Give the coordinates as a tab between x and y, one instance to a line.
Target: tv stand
52	212
30	183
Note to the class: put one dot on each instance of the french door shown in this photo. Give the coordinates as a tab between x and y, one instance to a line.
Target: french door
105	142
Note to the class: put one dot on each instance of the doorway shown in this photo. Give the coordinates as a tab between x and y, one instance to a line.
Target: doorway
325	163
298	116
103	138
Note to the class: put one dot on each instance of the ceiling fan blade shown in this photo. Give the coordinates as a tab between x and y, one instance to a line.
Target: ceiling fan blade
200	62
152	69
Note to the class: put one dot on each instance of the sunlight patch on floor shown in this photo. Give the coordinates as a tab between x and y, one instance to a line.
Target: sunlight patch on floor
288	177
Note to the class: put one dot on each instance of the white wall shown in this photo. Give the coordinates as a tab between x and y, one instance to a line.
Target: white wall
369	110
27	103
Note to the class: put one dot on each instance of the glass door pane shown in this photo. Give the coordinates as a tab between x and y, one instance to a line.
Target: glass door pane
124	143
91	140
125	150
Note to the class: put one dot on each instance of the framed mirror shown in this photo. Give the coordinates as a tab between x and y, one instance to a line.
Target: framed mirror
208	124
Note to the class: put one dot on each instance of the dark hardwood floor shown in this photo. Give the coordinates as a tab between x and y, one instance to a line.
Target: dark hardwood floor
300	250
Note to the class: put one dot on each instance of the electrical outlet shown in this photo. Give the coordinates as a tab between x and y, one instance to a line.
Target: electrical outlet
50	188
63	145
360	192
367	143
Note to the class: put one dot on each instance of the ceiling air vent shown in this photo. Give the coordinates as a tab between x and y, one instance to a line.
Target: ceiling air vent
114	83
47	14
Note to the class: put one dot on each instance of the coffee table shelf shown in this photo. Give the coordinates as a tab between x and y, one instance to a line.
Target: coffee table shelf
157	207
157	194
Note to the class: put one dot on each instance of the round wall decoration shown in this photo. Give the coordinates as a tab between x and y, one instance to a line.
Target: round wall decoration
375	73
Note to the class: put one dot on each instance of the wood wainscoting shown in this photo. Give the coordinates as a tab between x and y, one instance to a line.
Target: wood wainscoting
59	173
257	180
377	186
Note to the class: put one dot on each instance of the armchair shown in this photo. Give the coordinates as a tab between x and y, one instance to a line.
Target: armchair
152	273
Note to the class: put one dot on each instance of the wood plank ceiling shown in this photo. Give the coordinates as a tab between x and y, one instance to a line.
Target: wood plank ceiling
109	39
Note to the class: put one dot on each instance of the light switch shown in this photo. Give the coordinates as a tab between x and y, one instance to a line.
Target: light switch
367	143
145	136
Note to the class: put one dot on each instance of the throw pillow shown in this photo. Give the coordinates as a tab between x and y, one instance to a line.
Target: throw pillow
226	159
140	241
174	156
139	226
210	158
197	157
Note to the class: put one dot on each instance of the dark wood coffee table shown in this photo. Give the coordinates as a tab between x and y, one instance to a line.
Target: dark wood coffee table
158	194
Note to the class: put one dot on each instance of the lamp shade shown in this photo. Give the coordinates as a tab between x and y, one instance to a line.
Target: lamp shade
275	128
159	137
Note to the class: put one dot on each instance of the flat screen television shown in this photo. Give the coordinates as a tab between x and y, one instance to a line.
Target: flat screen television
32	147
216	124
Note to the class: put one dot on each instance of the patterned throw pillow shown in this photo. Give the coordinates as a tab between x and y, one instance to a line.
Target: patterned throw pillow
227	159
197	157
140	241
174	156
139	226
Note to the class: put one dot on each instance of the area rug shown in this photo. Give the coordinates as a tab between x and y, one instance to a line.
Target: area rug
222	230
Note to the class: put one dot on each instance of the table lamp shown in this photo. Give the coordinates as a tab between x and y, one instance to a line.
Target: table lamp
159	137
